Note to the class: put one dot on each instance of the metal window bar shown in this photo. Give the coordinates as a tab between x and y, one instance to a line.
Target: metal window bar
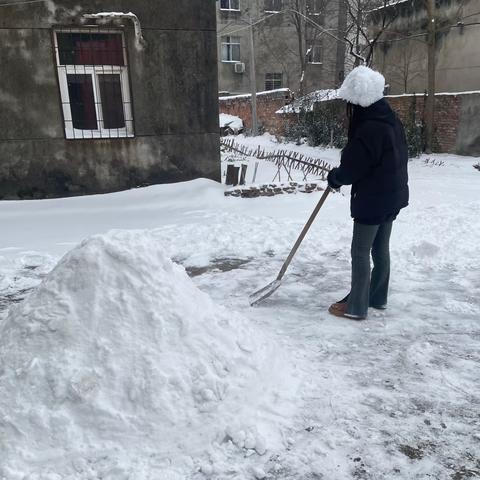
273	81
88	65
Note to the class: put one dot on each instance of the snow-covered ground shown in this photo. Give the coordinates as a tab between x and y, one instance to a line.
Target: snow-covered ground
394	397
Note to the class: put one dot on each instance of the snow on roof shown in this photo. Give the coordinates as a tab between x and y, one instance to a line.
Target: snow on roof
392	3
470	92
106	16
306	103
247	95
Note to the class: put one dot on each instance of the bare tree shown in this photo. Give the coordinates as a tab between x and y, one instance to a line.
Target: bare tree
360	38
425	22
307	16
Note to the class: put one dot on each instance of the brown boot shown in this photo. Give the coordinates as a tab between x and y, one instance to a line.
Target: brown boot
339	309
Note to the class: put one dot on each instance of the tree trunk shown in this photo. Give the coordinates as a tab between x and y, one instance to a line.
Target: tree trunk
253	82
301	34
431	47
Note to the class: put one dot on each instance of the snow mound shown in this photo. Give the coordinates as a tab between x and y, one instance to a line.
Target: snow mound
226	120
118	350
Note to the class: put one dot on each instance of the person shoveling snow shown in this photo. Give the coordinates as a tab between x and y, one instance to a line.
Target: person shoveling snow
374	162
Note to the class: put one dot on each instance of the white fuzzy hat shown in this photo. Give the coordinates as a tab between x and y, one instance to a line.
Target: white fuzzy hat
362	86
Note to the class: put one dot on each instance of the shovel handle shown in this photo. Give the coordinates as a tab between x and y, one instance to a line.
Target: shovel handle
306	228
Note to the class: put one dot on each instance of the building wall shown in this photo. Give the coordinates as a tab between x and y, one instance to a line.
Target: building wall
277	50
174	93
404	62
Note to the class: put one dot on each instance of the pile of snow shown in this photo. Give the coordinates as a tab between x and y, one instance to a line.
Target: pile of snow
118	355
231	121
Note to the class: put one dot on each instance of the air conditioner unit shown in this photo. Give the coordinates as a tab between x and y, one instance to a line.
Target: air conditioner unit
239	68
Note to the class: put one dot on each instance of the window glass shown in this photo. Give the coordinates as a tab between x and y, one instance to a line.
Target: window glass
111	98
230	49
90	49
230	4
273	81
314	7
273	5
82	102
315	55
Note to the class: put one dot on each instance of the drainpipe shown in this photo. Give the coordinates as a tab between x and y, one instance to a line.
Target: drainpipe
107	16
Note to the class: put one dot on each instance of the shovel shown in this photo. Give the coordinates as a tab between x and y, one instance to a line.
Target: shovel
265	292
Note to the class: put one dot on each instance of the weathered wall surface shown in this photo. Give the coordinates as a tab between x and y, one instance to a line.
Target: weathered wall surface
277	50
403	61
468	138
174	93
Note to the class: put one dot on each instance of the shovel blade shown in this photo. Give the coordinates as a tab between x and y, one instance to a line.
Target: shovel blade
265	292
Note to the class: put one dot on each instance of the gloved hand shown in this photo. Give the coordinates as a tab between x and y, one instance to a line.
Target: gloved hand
332	182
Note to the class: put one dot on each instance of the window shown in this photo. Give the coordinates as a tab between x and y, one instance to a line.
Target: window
230	49
94	88
230	5
273	81
314	7
273	5
315	55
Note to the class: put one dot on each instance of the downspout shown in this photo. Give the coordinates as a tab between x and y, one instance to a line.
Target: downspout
108	16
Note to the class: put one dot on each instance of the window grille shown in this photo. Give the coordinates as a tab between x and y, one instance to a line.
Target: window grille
230	5
230	49
94	83
273	5
273	81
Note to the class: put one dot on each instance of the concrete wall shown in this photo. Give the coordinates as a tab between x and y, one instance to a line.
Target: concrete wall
277	50
404	60
468	138
174	92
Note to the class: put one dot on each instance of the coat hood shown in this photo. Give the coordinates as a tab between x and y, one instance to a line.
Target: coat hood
362	86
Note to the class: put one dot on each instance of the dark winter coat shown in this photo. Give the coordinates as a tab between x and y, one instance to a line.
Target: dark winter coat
374	162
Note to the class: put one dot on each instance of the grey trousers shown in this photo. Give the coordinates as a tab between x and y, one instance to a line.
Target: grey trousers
369	290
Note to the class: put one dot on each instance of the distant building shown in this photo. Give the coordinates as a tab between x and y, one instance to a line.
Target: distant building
402	53
95	102
279	47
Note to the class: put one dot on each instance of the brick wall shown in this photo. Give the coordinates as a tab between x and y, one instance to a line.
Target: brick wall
267	105
447	117
457	116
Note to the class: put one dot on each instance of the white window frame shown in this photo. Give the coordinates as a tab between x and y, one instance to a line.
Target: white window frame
271	10
224	42
72	133
230	9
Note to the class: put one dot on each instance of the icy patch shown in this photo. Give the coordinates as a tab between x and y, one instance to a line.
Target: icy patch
118	352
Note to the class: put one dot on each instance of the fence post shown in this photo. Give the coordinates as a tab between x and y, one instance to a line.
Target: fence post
232	175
